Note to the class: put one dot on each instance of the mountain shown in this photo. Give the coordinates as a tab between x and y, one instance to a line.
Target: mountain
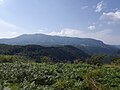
58	54
107	49
118	52
118	46
89	45
47	40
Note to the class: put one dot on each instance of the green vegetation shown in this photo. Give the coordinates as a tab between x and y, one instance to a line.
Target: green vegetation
35	52
115	61
42	76
96	59
13	58
19	69
45	59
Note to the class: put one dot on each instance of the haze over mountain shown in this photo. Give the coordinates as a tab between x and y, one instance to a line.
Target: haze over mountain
88	45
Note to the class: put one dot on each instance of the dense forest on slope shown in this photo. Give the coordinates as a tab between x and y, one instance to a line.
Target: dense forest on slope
57	54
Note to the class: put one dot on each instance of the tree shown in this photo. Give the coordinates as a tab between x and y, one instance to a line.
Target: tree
115	61
96	59
45	59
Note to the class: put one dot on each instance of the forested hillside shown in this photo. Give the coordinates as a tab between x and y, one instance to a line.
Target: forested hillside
56	54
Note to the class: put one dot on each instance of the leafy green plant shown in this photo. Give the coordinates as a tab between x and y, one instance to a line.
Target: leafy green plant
59	76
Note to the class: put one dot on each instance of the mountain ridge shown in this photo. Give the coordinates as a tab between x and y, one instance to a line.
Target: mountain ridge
91	46
48	37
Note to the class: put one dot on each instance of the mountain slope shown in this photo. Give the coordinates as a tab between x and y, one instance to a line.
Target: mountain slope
90	46
107	49
58	54
41	39
117	46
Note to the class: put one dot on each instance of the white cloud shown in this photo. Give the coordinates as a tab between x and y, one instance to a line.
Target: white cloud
91	27
8	30
40	30
67	32
80	33
113	17
100	6
12	33
8	34
104	35
84	7
4	23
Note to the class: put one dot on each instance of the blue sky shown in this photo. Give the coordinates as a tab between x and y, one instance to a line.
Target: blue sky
98	19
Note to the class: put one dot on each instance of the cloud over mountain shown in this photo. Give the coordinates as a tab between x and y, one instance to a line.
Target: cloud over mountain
111	16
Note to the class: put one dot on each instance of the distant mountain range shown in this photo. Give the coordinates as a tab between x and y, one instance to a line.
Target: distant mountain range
88	45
